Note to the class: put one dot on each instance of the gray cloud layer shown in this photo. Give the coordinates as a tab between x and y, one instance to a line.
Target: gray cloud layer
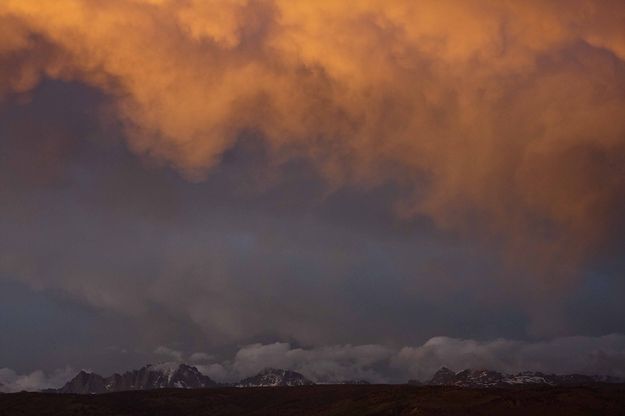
378	363
11	382
116	255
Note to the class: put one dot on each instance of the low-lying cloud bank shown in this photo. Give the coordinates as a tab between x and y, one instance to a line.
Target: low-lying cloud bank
384	364
323	364
378	363
585	355
11	382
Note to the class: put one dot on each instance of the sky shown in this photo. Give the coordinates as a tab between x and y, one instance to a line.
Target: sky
366	189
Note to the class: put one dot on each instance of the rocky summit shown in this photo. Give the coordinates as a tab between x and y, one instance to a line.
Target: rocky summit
150	377
487	378
183	376
271	377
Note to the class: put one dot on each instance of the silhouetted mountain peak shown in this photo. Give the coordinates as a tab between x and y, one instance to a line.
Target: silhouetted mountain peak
488	378
158	376
269	377
444	376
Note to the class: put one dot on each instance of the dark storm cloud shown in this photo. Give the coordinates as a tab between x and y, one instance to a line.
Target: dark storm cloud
216	180
499	120
249	254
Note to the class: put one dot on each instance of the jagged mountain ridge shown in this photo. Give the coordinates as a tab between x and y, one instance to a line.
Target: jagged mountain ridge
172	375
176	375
149	377
487	378
271	377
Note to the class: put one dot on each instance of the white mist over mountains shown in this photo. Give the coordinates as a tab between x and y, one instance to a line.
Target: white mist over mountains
383	364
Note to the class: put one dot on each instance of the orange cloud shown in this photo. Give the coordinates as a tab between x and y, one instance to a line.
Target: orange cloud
505	116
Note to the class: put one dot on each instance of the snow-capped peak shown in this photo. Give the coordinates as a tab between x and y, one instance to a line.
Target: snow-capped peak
271	377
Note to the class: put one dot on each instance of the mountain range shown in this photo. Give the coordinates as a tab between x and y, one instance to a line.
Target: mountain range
150	377
271	377
172	375
183	376
488	378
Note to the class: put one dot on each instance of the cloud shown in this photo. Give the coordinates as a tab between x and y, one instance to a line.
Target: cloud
603	355
11	382
377	363
173	354
321	364
339	362
586	355
199	357
491	131
500	120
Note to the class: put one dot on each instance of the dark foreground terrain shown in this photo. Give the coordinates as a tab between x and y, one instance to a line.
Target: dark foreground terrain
328	400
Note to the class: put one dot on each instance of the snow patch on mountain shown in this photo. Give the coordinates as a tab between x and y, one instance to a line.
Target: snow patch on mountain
271	377
489	379
150	377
